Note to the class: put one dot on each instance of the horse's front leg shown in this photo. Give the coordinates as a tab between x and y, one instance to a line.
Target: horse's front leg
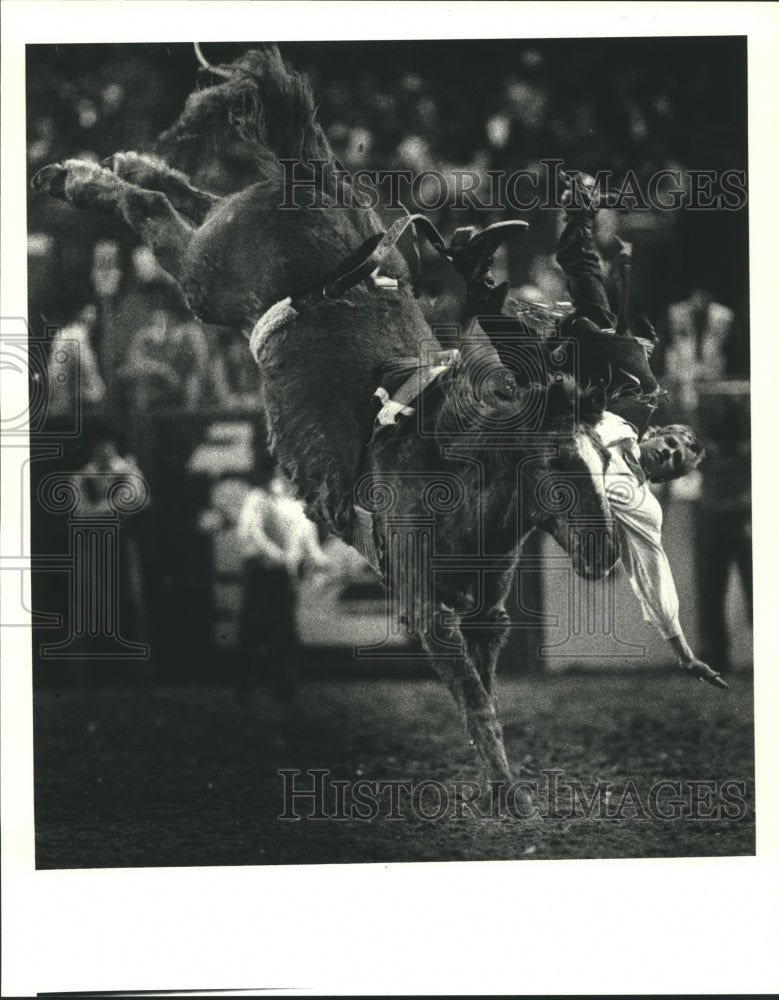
484	643
488	634
148	213
446	647
154	174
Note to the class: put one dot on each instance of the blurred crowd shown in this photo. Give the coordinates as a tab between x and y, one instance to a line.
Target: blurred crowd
134	349
638	105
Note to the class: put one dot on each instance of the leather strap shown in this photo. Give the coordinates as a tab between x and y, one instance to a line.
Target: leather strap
412	388
371	254
471	258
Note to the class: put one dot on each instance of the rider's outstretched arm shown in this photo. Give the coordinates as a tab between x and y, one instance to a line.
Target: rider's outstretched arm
646	564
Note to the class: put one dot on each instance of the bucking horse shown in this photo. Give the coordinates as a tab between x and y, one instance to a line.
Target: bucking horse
437	464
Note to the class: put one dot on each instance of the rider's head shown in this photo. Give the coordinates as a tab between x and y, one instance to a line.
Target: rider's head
670	452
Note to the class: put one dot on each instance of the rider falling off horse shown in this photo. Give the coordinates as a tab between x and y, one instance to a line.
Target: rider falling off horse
662	454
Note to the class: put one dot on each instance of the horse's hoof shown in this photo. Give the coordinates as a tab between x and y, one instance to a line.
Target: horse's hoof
524	808
515	802
51	180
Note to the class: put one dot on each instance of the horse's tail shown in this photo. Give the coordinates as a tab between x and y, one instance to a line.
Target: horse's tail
266	104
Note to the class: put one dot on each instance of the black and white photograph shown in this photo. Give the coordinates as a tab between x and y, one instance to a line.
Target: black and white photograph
379	418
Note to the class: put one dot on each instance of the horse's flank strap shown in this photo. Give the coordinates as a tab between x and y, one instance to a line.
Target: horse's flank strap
470	253
370	256
273	319
284	312
358	266
421	376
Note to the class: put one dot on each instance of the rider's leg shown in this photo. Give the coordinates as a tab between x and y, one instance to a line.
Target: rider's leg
622	365
578	256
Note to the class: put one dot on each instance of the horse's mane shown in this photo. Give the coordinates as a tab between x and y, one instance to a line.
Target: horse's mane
495	405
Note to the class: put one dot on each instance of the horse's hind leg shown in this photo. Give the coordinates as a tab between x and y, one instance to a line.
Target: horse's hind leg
154	174
448	655
148	213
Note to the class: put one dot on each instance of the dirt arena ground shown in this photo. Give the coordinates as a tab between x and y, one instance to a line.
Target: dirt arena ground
189	775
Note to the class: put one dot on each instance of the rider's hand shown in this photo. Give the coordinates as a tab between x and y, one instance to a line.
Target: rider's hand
581	197
694	667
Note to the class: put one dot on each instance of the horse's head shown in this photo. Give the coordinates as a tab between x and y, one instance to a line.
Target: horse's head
537	453
566	497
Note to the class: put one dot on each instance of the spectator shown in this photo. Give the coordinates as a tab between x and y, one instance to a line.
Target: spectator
228	378
167	364
241	377
723	523
106	278
152	380
280	543
105	469
699	329
146	294
75	382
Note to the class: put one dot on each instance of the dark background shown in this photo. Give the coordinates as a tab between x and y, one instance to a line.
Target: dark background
616	104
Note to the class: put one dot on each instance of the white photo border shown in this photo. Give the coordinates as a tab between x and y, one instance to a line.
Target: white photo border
655	926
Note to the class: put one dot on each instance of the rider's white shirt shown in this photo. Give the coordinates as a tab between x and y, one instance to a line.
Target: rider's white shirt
639	521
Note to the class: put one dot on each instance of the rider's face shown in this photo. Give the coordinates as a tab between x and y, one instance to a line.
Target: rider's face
666	456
